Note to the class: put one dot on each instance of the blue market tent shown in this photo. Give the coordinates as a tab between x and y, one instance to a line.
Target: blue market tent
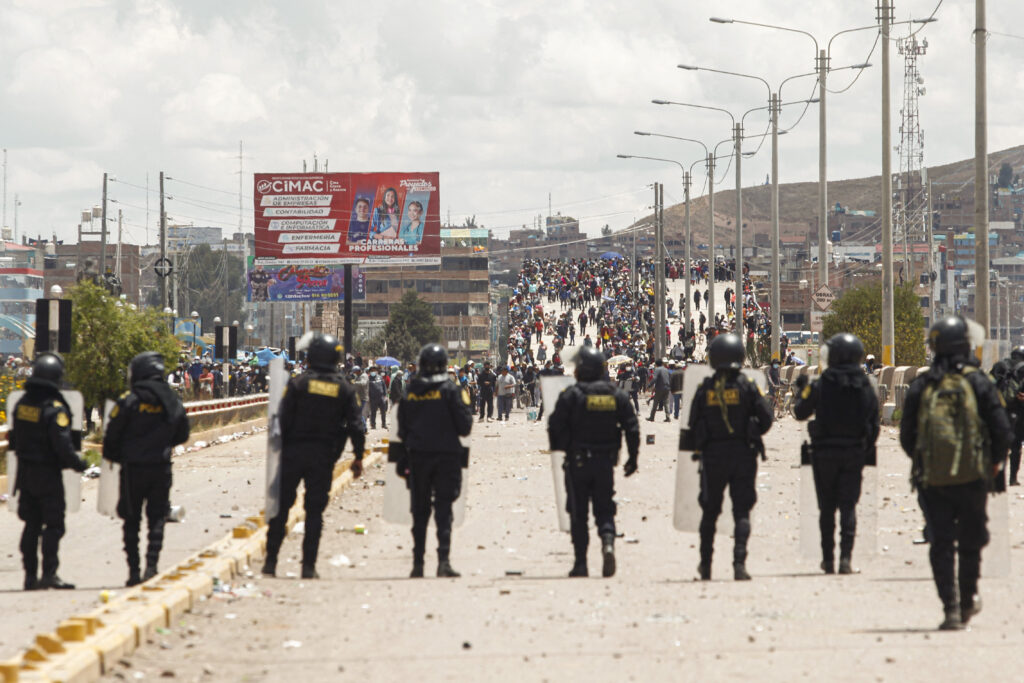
611	255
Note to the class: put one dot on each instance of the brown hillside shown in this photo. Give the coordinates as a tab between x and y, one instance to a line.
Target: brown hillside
798	202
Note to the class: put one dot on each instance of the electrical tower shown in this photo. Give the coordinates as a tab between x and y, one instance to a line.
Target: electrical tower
912	202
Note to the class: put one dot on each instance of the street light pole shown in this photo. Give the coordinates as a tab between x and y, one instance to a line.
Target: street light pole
711	235
686	251
659	272
823	255
776	275
888	303
981	257
737	306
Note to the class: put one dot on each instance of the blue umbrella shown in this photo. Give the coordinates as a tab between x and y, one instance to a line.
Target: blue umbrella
264	356
611	255
387	361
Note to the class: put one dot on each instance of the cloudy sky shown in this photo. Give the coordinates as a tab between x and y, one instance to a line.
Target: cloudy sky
509	101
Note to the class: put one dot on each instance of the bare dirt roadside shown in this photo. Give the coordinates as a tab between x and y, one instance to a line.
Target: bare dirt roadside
365	620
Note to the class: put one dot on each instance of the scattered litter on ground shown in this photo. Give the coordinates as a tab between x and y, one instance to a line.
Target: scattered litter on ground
339	561
91	472
299	528
292	644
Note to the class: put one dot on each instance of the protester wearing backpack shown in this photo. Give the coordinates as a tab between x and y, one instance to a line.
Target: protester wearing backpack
956	431
843	436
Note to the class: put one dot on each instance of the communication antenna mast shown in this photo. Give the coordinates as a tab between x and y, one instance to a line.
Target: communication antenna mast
911	208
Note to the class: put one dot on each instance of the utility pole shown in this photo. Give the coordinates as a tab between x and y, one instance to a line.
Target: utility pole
931	272
4	224
711	235
888	304
737	306
823	255
659	270
103	231
17	203
776	275
686	250
981	258
227	314
163	244
117	264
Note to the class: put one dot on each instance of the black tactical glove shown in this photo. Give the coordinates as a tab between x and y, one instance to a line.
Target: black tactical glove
81	465
629	469
801	382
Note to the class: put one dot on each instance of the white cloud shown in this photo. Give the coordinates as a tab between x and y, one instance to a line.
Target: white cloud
508	100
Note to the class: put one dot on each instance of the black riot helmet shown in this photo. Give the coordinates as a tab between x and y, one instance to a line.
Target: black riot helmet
726	352
433	360
999	369
49	366
844	349
590	364
948	337
324	352
146	365
1017	354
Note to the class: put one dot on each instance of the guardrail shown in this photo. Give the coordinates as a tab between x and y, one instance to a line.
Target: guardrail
202	412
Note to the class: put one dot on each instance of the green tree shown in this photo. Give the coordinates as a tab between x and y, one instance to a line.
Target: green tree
859	311
203	278
106	335
1005	175
410	326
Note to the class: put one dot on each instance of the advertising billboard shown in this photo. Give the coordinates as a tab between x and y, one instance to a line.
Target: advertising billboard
274	281
365	218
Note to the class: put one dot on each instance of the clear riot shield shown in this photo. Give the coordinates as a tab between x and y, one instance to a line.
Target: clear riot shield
686	512
72	480
397	508
550	388
995	557
757	377
110	476
278	380
866	543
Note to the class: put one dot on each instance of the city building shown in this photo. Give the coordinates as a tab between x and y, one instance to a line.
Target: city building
21	283
68	262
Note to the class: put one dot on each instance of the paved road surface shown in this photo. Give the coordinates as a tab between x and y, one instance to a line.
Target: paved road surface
652	621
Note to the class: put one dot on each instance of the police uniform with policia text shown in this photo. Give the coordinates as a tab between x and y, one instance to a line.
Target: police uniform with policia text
587	423
318	413
147	422
843	436
728	417
957	433
431	417
41	438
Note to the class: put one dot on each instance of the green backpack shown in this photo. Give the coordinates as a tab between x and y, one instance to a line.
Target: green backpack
952	440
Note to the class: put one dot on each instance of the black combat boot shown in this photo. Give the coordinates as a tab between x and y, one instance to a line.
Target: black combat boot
970	568
31	582
704	569
579	568
269	566
608	553
845	565
445	570
309	571
417	569
150	572
55	582
739	553
134	578
953	620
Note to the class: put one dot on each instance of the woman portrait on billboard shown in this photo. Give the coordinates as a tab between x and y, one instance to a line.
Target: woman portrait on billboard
385	217
412	223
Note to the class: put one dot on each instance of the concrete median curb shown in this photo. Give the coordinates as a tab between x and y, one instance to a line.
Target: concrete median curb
85	647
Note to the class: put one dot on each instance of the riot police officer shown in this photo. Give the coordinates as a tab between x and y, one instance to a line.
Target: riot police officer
318	413
587	423
728	417
958	445
1011	385
41	439
843	436
431	417
147	422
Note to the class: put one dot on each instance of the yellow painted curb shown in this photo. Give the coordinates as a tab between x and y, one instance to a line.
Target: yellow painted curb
85	647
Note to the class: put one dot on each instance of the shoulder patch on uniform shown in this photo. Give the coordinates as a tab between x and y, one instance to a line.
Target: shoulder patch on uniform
115	411
62	419
600	403
124	395
731	397
806	393
151	408
432	395
58	404
319	387
465	397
